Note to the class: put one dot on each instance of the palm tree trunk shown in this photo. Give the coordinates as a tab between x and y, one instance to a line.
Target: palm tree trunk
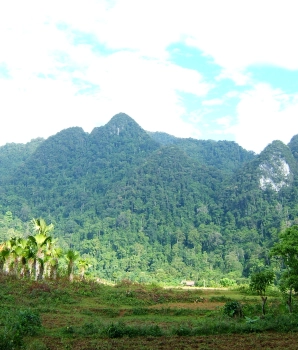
70	271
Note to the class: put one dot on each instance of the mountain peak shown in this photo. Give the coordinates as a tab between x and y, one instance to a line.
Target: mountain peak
122	134
119	125
121	122
121	117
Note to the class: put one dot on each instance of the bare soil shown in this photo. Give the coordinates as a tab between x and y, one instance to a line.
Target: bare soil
221	342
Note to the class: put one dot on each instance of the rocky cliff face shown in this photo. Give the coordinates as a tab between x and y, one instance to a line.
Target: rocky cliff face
275	174
277	167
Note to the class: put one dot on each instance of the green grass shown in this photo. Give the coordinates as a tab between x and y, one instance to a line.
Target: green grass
47	314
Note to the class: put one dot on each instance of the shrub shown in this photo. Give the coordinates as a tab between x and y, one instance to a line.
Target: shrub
119	330
233	309
10	340
227	282
182	331
89	329
69	330
27	323
115	330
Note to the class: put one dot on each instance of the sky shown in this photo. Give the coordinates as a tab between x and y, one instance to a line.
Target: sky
221	70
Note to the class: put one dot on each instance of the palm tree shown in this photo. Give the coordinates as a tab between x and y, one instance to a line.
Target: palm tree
40	226
40	243
84	264
20	253
55	254
4	258
71	257
10	260
31	257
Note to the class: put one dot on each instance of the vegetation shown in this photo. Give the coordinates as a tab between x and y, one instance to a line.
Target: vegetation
135	212
259	283
45	306
149	207
57	314
287	250
37	257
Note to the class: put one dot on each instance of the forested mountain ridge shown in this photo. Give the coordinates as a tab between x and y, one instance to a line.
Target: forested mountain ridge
13	155
224	155
151	206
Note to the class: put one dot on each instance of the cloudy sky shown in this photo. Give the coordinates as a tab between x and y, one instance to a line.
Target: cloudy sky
222	70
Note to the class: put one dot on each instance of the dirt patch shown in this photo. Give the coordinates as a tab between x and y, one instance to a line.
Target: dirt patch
267	341
122	313
50	321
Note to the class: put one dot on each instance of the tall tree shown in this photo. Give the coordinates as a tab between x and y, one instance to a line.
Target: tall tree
286	249
259	282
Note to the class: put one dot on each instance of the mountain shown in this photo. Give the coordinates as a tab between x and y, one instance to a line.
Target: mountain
14	155
119	146
151	206
224	155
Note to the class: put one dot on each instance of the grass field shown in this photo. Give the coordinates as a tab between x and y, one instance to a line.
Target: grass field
62	315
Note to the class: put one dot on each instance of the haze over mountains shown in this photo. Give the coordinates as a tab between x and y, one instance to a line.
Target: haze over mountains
150	206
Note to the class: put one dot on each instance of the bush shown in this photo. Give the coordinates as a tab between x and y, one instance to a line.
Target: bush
233	309
27	323
115	330
10	340
226	282
69	330
182	331
119	330
89	329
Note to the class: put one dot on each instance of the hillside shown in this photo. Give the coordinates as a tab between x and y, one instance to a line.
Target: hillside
150	206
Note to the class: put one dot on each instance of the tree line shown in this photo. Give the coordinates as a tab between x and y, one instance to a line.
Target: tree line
38	257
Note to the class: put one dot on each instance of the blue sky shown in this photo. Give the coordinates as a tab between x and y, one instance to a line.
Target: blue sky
222	70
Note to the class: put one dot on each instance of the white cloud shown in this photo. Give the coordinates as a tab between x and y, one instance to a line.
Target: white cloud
137	78
265	114
213	102
147	88
237	76
241	33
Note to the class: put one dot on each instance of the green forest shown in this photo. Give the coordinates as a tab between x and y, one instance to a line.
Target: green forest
150	207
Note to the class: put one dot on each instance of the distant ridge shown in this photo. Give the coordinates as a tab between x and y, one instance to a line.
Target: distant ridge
146	206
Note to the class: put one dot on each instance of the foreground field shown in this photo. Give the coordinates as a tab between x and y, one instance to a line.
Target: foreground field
220	342
62	315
